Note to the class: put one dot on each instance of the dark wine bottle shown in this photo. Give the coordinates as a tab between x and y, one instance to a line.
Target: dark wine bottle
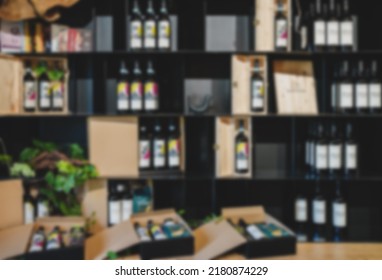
257	89
350	153
347	28
145	146
241	150
321	152
136	91
44	89
164	28
159	147
136	28
301	218
114	206
30	89
361	90
173	146
151	86
333	28
123	90
281	28
339	216
345	90
319	28
375	89
319	216
335	152
150	27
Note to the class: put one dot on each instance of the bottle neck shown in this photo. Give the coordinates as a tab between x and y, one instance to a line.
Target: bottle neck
136	9
150	7
163	8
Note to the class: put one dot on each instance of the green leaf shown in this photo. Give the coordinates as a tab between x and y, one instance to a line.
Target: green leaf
5	159
22	170
28	154
44	146
65	167
181	212
112	255
50	179
76	151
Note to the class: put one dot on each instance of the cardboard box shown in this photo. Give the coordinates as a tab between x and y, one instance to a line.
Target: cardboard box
226	131
12	76
265	12
241	83
261	248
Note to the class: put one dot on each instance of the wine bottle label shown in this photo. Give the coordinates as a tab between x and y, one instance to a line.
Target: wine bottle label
157	233
37	244
257	94
151	96
351	156
136	34
127	209
30	94
150	34
334	96
174	153
304	37
312	154
255	232
375	96
333	33
58	95
242	155
159	153
361	94
346	99
28	213
44	95
42	209
136	96
143	234
335	156
114	212
53	241
319	212
321	157
145	154
281	33
339	214
123	96
301	210
319	33
347	33
307	152
164	34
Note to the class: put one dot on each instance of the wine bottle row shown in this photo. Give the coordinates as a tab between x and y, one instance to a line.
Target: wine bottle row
328	154
135	93
150	31
35	207
316	228
358	90
169	229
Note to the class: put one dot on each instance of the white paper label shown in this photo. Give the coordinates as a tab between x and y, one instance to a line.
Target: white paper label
335	156
150	34
333	33
375	96
123	104
304	37
319	33
45	95
361	95
136	34
42	210
347	33
145	154
255	232
319	212
301	210
28	213
164	34
281	33
30	95
339	214
351	156
257	94
159	153
127	209
114	212
321	157
346	98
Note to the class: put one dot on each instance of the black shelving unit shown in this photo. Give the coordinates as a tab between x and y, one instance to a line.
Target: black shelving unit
276	182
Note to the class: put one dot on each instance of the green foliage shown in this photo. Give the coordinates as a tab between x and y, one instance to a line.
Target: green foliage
111	255
5	159
76	151
22	170
55	74
30	153
44	146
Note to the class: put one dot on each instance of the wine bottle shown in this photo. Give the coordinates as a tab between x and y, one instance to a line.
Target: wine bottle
333	28
156	231
304	31
42	206
159	143
30	89
142	232
347	28
361	90
38	241
312	152
334	90
252	230
164	28
54	239
136	28
114	206
335	152
257	89
308	154
173	146
241	150
151	90
29	207
281	28
339	216
127	204
321	152
123	90
319	28
301	218
58	89
145	154
319	216
345	90
351	153
375	89
150	27
44	90
136	91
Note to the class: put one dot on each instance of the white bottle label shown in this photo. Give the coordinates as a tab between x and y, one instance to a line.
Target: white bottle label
151	96
42	209
159	153
307	152
333	33
123	96
375	96
58	95
127	209
319	33
150	34
304	37
144	154
255	232
136	34
258	94
339	214
45	95
173	153
281	33
114	212
346	98
351	156
28	213
30	95
361	95
347	33
164	34
312	154
242	156
301	210
334	96
319	212
321	157
335	156
136	96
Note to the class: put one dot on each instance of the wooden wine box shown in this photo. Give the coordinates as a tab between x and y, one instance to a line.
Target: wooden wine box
265	12
11	79
241	73
226	131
